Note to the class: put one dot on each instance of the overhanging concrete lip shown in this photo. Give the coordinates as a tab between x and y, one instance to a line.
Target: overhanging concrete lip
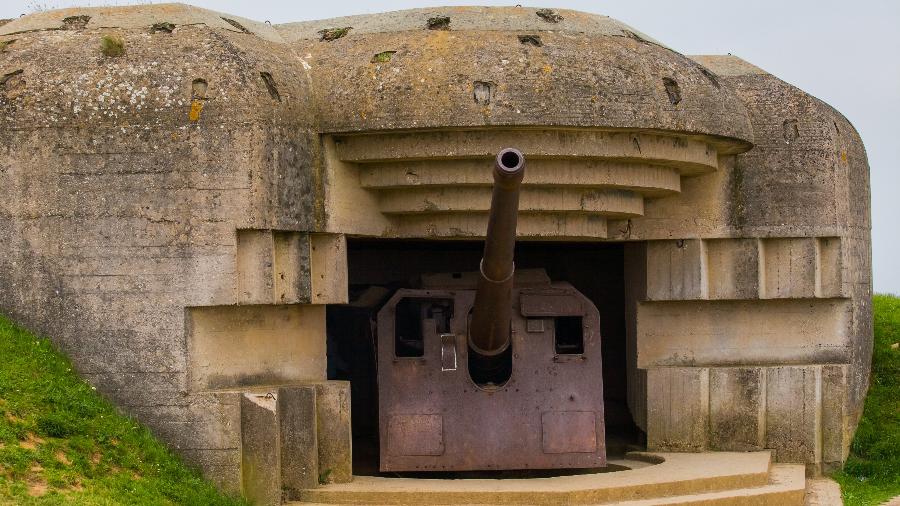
724	145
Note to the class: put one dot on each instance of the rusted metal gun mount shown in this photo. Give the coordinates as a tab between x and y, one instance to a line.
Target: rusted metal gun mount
491	370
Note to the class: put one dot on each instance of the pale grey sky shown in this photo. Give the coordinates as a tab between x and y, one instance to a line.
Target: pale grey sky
845	53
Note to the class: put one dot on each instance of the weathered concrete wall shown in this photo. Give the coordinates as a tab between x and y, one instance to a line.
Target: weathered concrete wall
209	174
816	173
769	312
119	208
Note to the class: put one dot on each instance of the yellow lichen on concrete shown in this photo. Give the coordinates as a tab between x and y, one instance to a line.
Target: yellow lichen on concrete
196	109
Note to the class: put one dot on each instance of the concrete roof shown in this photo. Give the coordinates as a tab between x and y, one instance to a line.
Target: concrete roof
581	70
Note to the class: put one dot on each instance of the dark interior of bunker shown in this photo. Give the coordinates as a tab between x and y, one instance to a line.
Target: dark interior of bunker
377	268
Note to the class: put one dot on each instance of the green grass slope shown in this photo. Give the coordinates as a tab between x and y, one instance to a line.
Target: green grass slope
62	443
872	473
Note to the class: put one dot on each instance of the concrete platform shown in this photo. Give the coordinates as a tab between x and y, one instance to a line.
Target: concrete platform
675	478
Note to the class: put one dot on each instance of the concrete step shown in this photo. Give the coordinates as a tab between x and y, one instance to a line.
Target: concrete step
692	478
786	487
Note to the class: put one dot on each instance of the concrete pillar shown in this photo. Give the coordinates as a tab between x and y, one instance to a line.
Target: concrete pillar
299	440
676	270
790	268
328	269
737	408
334	434
835	440
677	408
733	268
260	450
254	266
793	414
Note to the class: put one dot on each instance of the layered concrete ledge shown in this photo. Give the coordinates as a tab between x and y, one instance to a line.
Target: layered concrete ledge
678	474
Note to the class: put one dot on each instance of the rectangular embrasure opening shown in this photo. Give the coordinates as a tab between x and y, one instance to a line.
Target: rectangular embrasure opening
568	335
414	318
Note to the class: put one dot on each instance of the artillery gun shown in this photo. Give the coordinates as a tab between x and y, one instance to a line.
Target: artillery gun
494	370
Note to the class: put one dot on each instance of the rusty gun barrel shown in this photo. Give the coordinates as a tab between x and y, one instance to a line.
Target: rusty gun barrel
489	328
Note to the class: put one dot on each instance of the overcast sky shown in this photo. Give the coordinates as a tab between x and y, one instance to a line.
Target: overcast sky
845	53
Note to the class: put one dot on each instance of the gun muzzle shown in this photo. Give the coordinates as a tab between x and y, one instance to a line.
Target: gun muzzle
489	329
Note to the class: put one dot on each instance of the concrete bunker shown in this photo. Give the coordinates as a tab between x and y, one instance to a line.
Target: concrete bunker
223	258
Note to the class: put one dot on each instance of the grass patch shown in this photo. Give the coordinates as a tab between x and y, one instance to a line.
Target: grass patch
112	46
872	472
383	57
330	34
163	26
62	443
439	23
